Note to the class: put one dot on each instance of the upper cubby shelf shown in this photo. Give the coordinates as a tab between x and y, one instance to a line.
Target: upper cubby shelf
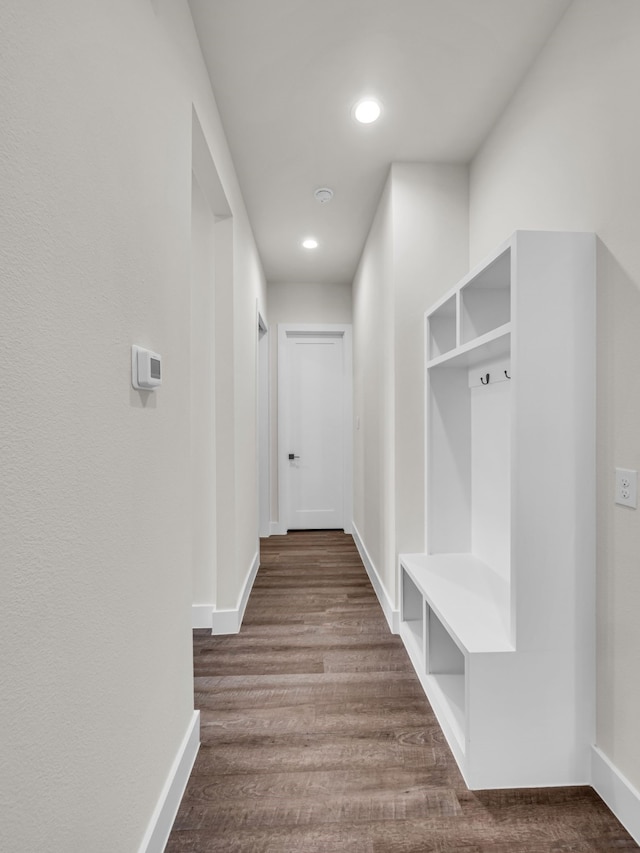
442	328
485	301
494	344
476	315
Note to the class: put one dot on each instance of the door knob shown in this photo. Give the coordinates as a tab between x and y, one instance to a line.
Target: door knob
293	456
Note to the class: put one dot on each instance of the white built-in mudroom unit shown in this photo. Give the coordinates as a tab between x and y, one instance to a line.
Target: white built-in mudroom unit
498	613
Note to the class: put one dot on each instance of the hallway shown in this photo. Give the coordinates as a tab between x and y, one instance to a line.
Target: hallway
317	737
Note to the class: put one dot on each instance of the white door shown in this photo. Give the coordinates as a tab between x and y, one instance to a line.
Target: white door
315	430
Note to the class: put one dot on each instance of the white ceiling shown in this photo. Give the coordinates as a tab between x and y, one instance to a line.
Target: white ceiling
286	74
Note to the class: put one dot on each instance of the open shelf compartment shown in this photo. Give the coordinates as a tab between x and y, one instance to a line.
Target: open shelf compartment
485	301
441	329
412	617
468	477
446	676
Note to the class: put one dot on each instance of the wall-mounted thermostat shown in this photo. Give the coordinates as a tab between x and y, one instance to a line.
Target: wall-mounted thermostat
146	369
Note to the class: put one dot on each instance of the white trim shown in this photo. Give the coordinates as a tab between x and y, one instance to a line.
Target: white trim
230	621
617	792
343	330
392	616
225	622
277	529
248	585
157	834
201	615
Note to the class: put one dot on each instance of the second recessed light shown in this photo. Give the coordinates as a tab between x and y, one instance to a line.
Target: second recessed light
310	243
367	110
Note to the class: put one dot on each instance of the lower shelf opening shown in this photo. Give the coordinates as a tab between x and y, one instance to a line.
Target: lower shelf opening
446	673
412	614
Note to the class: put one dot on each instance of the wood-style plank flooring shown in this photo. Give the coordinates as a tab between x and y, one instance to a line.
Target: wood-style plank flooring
317	737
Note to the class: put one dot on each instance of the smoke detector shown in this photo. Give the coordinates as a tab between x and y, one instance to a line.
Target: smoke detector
323	195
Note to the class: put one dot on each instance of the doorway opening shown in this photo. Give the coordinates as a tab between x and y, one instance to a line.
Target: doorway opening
314	427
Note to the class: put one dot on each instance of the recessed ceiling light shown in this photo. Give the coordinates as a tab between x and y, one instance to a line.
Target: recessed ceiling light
367	110
310	243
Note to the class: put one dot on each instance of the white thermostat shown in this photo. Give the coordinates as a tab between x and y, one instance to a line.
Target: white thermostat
146	369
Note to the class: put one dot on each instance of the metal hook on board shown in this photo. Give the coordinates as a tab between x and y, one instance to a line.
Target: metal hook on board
507	375
485	381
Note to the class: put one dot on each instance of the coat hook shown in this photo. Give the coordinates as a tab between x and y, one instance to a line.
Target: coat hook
507	375
485	381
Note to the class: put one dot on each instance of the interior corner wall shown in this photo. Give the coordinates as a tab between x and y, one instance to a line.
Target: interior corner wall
374	489
238	262
309	302
430	238
565	156
226	573
203	400
416	250
96	532
247	270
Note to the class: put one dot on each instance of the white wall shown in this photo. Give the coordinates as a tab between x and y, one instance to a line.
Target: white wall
96	530
203	408
373	337
565	156
430	227
308	303
238	265
296	303
416	250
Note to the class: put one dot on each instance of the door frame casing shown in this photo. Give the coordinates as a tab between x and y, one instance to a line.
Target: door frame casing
333	330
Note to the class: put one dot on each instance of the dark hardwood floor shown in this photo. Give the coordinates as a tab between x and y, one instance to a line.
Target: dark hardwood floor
317	737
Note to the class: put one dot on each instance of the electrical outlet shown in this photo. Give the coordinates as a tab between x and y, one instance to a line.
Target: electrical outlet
626	487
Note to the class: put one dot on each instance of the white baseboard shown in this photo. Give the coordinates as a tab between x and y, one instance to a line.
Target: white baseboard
157	834
202	616
225	622
277	529
230	621
617	792
392	616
